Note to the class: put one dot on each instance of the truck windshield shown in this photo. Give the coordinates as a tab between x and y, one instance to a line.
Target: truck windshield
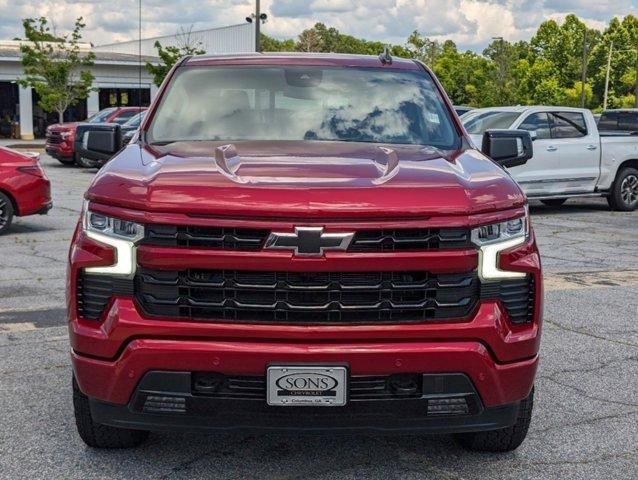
309	103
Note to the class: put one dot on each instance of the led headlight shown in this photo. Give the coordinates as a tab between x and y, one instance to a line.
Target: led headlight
120	234
493	239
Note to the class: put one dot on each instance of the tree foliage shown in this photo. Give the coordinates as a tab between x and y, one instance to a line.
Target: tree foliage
169	56
545	70
54	66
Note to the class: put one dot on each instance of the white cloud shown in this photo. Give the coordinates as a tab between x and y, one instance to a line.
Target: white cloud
470	23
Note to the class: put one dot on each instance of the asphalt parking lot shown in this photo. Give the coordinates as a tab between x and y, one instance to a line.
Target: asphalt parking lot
585	421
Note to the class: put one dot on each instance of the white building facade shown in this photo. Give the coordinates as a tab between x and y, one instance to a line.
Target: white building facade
121	78
232	39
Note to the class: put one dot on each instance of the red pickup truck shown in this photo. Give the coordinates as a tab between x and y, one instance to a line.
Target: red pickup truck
60	136
306	243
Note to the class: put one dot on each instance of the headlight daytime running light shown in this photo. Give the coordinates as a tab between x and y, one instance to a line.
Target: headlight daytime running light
493	239
121	235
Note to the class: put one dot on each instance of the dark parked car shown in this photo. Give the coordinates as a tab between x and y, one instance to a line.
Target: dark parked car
24	187
621	121
95	158
132	126
460	110
60	137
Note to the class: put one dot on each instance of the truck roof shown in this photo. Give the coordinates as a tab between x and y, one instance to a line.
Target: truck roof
525	108
302	58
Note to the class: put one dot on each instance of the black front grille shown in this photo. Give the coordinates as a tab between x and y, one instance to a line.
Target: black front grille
387	240
379	387
306	297
517	297
409	239
209	237
95	291
53	138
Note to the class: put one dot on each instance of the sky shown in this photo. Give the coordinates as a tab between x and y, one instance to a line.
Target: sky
470	23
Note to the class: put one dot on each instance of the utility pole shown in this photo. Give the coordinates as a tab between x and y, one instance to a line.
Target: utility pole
500	65
636	86
258	18
583	75
611	48
139	54
257	25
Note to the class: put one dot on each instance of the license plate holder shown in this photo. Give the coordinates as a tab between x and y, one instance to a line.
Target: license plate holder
306	385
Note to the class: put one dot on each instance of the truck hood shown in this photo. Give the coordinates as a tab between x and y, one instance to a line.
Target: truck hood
304	180
62	127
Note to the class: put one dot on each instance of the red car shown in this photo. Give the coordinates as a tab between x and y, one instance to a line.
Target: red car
306	243
24	187
60	136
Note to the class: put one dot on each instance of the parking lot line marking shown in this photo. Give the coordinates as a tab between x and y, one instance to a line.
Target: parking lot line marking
28	309
584	280
17	327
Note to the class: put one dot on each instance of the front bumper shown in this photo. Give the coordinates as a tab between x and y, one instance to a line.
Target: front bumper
59	150
165	400
114	380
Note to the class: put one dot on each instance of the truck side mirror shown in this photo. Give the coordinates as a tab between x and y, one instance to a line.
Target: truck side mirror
508	148
105	139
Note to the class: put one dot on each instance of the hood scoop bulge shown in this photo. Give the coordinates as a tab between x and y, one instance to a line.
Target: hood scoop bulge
312	169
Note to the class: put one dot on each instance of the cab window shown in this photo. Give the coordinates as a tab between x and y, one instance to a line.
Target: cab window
568	125
539	123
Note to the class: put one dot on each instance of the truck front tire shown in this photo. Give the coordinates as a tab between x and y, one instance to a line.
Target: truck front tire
101	436
624	193
505	439
66	160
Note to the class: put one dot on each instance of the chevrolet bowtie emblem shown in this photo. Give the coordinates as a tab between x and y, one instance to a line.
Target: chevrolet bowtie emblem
309	241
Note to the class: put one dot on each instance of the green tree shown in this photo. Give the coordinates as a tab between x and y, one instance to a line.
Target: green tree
562	47
169	56
310	40
269	44
465	76
623	79
424	49
321	38
54	66
572	94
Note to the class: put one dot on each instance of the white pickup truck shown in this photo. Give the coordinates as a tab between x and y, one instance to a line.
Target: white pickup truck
571	158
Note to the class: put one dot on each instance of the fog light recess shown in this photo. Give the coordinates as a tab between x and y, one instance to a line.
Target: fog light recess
448	406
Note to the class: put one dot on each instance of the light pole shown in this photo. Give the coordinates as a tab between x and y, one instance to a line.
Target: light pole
608	73
611	48
583	74
500	65
258	18
139	54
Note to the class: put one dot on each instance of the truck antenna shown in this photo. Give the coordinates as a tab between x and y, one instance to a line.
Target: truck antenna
385	56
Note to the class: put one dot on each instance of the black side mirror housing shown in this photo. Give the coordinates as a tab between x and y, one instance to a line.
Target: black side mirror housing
508	148
106	139
98	142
